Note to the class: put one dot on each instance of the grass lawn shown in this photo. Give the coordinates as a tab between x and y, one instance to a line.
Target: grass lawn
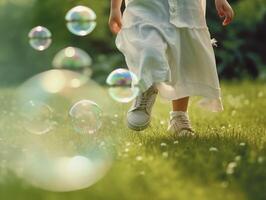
227	159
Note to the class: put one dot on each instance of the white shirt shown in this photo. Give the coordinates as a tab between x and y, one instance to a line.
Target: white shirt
182	13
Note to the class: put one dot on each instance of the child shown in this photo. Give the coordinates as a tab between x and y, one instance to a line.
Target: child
167	44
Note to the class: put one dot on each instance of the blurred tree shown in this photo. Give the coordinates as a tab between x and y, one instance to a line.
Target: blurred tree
242	44
241	51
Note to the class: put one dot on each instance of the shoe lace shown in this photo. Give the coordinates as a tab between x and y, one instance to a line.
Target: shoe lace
142	101
181	121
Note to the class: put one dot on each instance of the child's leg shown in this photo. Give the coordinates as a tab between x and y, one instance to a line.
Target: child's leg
179	120
180	104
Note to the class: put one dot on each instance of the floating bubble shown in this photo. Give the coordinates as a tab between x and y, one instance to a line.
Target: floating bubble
74	59
37	117
61	89
64	173
86	117
123	85
40	38
81	20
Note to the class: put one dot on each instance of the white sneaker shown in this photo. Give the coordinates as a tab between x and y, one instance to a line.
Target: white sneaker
139	116
179	124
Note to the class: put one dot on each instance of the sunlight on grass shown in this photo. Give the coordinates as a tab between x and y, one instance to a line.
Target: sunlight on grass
226	160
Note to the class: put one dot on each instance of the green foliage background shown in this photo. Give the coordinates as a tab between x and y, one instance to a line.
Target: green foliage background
241	51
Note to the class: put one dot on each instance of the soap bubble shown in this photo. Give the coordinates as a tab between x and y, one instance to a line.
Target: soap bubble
61	89
40	38
74	59
37	117
86	117
62	173
81	20
123	85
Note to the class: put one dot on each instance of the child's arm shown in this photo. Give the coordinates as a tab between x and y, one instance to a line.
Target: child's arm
224	11
115	20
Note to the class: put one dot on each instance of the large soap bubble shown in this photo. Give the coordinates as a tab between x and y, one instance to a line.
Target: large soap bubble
123	85
74	59
40	38
81	20
61	172
86	117
37	117
60	90
62	160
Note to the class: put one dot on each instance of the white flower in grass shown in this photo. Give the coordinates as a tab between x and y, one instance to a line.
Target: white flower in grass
162	122
260	159
139	158
238	158
260	94
214	42
176	142
163	144
242	144
224	184
142	173
231	168
165	154
213	149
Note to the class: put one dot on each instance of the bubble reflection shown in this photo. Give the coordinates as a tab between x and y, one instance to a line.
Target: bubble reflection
81	20
40	38
123	85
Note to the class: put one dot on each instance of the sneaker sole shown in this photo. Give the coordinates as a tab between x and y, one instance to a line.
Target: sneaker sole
137	128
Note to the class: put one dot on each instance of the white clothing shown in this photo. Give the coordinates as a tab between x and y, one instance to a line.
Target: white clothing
167	42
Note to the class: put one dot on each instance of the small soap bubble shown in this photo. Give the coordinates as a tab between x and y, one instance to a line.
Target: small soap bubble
40	38
81	20
86	117
73	59
37	117
122	85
